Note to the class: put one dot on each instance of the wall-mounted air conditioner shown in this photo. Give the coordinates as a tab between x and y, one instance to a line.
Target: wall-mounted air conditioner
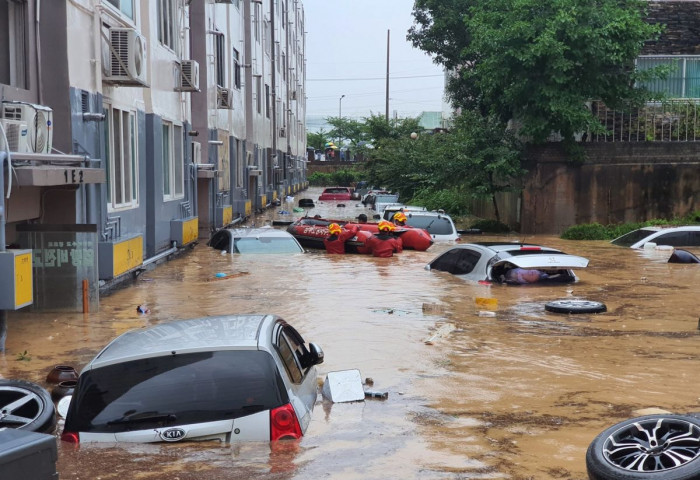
283	132
255	173
16	133
189	76
39	121
196	153
224	98
126	63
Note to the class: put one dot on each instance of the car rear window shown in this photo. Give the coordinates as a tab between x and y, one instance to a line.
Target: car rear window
434	224
190	388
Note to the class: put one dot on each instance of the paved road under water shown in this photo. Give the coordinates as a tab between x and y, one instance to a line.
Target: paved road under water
518	395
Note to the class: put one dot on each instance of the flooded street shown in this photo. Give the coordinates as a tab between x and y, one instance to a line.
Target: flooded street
518	395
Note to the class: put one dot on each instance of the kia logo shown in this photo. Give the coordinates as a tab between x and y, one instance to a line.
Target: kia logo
172	434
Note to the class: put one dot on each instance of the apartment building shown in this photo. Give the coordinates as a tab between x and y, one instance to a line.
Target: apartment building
135	128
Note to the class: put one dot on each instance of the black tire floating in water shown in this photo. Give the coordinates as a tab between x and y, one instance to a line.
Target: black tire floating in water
652	447
26	406
306	202
575	306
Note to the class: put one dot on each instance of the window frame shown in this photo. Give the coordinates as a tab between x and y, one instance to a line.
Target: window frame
16	44
220	59
172	161
122	182
124	7
167	23
236	59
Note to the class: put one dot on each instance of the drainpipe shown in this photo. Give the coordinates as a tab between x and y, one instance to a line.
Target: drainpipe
4	157
155	258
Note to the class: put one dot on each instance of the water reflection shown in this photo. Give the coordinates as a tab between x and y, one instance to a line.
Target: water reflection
516	395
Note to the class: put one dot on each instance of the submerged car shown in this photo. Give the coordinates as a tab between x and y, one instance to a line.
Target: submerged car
336	193
685	236
438	224
495	262
229	378
255	240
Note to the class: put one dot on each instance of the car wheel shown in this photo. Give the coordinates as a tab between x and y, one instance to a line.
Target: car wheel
575	306
27	406
651	447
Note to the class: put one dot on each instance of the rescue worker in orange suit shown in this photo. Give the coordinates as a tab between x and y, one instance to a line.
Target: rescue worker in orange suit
384	244
335	242
399	219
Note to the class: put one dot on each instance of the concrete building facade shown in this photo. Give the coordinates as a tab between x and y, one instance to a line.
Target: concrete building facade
153	122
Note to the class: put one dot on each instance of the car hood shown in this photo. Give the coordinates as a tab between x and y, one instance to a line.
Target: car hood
553	260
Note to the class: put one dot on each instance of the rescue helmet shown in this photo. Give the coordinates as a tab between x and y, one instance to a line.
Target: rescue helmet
334	228
400	217
385	226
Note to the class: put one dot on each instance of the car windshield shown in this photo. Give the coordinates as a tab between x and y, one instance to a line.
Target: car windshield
266	245
175	390
633	237
434	224
336	190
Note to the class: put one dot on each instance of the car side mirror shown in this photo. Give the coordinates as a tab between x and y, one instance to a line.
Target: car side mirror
316	354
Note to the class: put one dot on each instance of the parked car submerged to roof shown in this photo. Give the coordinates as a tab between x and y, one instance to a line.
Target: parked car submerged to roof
685	236
229	378
255	240
491	261
336	193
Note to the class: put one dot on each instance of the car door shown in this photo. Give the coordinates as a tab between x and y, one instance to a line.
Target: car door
302	380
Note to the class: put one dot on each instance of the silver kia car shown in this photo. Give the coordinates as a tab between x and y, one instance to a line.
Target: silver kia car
229	378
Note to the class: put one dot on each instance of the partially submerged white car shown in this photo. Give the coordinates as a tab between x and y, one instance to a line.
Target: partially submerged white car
230	378
685	236
512	263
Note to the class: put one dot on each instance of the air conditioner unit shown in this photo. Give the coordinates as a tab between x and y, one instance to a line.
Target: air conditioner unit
39	121
189	76
254	173
224	98
196	153
283	132
256	1
224	1
126	57
16	133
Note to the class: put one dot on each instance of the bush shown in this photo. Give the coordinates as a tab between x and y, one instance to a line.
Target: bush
590	231
491	226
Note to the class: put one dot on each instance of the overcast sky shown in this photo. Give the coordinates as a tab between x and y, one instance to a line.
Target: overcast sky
346	44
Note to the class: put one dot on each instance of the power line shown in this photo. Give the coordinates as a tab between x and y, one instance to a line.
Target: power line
368	78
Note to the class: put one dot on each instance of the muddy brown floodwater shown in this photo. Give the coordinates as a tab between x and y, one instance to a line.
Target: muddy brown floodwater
518	395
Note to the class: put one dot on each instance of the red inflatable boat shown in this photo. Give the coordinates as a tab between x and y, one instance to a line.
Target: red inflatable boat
310	232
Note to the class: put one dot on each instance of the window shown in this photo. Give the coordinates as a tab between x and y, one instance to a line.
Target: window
236	69
683	80
13	44
124	6
167	20
267	101
258	94
456	261
256	22
173	163
268	38
220	61
122	162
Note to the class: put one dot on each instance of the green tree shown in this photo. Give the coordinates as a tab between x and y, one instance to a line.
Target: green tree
317	140
479	157
538	61
345	129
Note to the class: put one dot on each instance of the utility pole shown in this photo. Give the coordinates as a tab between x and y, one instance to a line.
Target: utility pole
387	75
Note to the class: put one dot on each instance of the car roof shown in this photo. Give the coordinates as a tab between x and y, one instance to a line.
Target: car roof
224	332
266	231
505	246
